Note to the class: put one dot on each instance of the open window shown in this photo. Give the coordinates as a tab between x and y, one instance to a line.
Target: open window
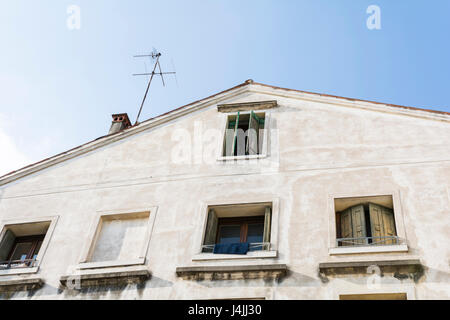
365	221
238	228
21	244
244	134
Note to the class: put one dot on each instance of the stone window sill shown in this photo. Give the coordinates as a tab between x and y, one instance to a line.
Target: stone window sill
249	255
110	264
9	272
368	249
110	276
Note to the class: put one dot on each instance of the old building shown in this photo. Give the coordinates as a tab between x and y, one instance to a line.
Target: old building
256	192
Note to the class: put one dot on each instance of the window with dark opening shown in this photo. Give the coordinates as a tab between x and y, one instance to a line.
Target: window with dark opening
238	225
20	245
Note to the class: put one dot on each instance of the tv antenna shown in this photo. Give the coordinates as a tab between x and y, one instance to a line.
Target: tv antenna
154	55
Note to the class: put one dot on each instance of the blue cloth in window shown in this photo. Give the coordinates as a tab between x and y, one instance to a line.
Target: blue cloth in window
231	248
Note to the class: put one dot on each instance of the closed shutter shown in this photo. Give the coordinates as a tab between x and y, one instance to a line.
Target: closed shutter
382	223
267	225
211	228
253	133
353	225
6	245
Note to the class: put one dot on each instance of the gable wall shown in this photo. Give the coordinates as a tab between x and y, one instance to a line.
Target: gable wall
320	150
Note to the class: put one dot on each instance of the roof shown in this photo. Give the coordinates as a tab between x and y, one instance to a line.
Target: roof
88	146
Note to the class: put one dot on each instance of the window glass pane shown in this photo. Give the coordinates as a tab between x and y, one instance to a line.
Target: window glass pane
36	251
230	234
255	233
21	250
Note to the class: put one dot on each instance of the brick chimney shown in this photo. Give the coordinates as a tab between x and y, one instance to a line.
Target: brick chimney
120	121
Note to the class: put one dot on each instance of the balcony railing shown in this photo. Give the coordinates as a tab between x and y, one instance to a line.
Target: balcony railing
368	241
254	246
15	264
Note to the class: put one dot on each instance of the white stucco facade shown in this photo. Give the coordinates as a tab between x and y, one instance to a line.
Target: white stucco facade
168	170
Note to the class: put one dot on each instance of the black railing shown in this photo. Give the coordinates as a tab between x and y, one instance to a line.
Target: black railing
368	241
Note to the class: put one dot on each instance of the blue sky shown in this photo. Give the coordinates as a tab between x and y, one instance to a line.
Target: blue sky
59	87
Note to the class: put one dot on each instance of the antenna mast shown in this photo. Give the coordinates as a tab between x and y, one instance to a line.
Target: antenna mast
154	55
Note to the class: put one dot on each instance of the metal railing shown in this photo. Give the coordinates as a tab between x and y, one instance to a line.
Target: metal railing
368	241
253	246
14	264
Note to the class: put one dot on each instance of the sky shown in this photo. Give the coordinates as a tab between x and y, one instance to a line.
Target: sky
59	84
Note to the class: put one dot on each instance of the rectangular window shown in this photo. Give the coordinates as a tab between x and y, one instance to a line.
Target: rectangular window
365	221
244	134
235	225
120	237
21	244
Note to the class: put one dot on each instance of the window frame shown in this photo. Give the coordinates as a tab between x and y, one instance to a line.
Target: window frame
265	144
200	231
5	224
96	226
398	217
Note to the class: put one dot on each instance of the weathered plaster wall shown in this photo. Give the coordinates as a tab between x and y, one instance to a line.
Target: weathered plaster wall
317	150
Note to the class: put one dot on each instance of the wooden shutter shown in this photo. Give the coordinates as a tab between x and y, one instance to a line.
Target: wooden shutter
389	224
346	226
382	223
211	228
376	221
6	245
353	225
253	133
359	224
267	227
